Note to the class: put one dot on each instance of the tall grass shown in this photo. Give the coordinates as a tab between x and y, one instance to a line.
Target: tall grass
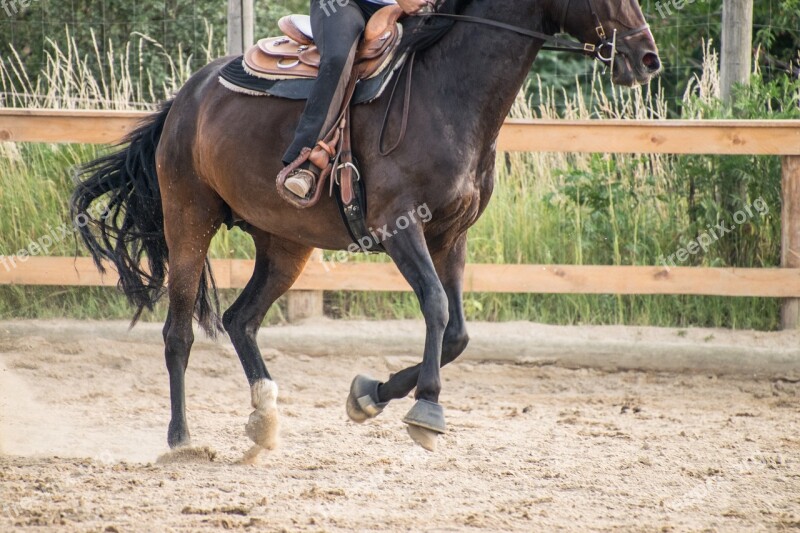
547	208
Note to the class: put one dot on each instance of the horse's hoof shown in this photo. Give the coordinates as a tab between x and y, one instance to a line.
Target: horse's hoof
178	437
263	425
362	403
424	437
425	422
262	428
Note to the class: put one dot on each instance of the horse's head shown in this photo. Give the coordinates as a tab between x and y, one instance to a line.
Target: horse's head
596	21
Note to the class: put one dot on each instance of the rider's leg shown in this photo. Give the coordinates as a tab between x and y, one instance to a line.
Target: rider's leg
337	30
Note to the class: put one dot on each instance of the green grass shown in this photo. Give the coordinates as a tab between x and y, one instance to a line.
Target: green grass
547	208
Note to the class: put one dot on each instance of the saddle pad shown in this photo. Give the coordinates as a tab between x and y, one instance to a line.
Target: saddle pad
234	77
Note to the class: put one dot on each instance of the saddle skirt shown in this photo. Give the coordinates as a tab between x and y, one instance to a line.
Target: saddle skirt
295	56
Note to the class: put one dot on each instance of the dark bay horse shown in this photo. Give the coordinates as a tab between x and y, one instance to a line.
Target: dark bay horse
210	156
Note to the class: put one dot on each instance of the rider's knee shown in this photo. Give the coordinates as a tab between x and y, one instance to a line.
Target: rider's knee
335	60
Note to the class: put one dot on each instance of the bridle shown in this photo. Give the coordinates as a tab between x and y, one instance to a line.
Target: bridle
594	50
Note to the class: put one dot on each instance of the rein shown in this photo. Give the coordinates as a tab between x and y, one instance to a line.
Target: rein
558	43
553	43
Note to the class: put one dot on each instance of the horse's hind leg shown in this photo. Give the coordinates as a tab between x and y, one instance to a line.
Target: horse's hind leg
449	263
188	230
278	264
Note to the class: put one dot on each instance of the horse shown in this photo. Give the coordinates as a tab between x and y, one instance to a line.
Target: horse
209	157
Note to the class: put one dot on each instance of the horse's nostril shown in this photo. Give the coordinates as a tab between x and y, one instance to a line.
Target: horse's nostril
651	62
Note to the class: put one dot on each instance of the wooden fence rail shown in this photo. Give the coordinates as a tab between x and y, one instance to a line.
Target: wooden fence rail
724	137
712	137
549	279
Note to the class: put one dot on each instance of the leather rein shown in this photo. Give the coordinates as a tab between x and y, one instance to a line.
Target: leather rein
559	43
554	43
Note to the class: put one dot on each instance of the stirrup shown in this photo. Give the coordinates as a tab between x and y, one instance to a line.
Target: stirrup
300	182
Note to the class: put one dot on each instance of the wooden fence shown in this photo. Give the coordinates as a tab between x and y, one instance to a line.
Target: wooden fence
780	138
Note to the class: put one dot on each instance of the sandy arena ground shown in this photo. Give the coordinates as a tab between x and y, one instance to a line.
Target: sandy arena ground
530	447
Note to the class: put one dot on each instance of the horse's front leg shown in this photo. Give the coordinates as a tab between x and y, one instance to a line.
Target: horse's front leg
449	261
368	397
410	253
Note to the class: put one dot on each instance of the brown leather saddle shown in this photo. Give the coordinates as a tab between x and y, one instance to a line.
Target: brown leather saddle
294	55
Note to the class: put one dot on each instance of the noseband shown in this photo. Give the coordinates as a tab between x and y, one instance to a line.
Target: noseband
594	50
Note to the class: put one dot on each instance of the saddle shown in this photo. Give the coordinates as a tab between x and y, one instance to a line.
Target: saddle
292	61
295	56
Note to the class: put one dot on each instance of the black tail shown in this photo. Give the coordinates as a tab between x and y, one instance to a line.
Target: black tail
128	225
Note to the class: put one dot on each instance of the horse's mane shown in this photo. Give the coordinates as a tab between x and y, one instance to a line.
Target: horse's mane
423	32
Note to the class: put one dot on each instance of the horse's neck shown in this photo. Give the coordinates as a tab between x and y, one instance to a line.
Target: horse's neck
479	69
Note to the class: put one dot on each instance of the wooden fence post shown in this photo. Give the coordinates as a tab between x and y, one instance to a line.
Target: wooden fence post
248	24
306	304
790	234
240	25
736	60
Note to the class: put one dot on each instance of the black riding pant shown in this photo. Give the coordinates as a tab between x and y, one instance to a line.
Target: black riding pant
337	27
